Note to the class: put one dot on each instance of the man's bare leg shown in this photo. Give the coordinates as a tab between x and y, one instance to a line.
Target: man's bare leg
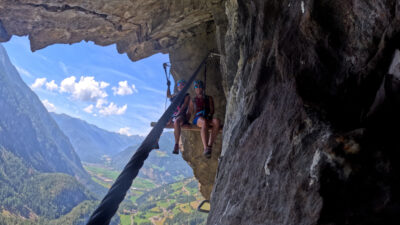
177	129
214	132
177	132
201	122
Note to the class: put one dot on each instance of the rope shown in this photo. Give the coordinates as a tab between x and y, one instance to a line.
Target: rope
167	76
109	205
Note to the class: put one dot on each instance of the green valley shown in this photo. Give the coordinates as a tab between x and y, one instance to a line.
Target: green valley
29	197
150	203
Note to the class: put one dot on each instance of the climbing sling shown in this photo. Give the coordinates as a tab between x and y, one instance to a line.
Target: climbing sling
116	194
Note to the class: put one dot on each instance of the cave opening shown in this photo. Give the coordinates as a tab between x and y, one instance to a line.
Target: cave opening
90	89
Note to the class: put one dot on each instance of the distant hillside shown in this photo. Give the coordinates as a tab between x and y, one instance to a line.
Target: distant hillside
174	203
91	142
77	216
150	203
41	176
161	166
27	193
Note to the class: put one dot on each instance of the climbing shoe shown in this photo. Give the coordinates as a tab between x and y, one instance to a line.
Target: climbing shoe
207	152
176	149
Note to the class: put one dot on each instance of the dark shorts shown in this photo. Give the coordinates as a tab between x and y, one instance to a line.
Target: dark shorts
208	119
195	120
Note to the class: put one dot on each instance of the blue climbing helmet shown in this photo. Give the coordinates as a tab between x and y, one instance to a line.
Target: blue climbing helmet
180	82
198	84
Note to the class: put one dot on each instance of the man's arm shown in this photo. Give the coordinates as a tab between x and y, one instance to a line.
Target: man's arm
211	106
191	108
185	104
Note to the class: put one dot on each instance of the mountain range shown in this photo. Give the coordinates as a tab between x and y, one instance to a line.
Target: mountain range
96	145
162	166
92	143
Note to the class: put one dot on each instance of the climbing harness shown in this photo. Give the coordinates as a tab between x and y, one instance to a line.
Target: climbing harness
116	194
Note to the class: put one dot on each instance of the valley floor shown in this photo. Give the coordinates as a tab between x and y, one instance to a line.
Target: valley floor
148	202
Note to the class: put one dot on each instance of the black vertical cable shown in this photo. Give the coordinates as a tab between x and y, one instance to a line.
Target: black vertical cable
116	194
205	77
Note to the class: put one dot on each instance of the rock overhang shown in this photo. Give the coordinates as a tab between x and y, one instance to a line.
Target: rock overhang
138	28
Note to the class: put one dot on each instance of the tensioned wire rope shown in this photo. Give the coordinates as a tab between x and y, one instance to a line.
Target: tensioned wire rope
116	194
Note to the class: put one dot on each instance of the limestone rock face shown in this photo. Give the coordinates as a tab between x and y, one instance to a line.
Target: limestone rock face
294	85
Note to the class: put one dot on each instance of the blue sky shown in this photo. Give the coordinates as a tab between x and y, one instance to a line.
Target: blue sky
94	83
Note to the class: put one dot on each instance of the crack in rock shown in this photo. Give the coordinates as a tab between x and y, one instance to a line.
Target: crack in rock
63	8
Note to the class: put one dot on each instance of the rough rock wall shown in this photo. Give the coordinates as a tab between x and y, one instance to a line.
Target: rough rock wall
297	146
299	78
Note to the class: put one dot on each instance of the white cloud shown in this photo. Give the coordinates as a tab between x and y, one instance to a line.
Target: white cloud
23	72
113	109
63	67
125	131
87	89
49	106
104	84
100	102
124	89
51	86
89	109
68	85
134	88
39	82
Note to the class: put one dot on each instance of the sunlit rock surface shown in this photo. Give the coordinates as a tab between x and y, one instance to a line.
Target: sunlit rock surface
294	85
